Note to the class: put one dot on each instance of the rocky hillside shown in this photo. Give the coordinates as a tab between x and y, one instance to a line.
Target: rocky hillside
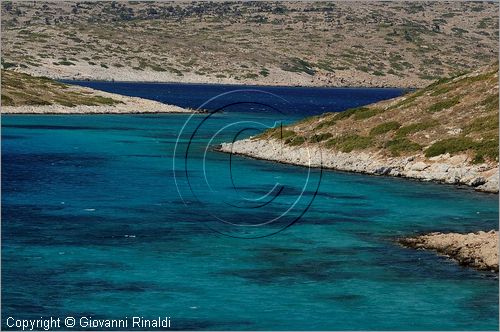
445	132
403	44
20	89
26	94
454	115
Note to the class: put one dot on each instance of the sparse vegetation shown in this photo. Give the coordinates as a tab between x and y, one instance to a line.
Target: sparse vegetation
483	124
415	127
320	137
264	72
252	41
20	89
66	63
384	128
491	103
326	123
486	149
298	65
450	145
401	145
378	127
359	113
295	141
348	143
365	113
441	105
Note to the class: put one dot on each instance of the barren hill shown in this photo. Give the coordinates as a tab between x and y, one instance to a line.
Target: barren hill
404	44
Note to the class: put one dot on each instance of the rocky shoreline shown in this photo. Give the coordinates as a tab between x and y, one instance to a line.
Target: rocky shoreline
352	79
478	250
443	169
125	105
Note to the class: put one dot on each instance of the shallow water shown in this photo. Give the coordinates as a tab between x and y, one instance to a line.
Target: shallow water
94	223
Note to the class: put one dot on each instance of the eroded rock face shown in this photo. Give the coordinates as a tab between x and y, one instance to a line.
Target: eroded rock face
454	170
478	250
491	184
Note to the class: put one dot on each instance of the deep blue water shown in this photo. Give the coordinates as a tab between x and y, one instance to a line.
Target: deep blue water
301	101
94	223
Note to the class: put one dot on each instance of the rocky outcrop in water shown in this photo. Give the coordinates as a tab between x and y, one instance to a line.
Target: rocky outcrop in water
478	250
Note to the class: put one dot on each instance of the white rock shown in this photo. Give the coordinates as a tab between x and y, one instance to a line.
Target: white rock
456	170
419	166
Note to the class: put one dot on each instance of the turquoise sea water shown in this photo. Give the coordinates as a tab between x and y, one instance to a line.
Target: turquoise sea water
94	223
